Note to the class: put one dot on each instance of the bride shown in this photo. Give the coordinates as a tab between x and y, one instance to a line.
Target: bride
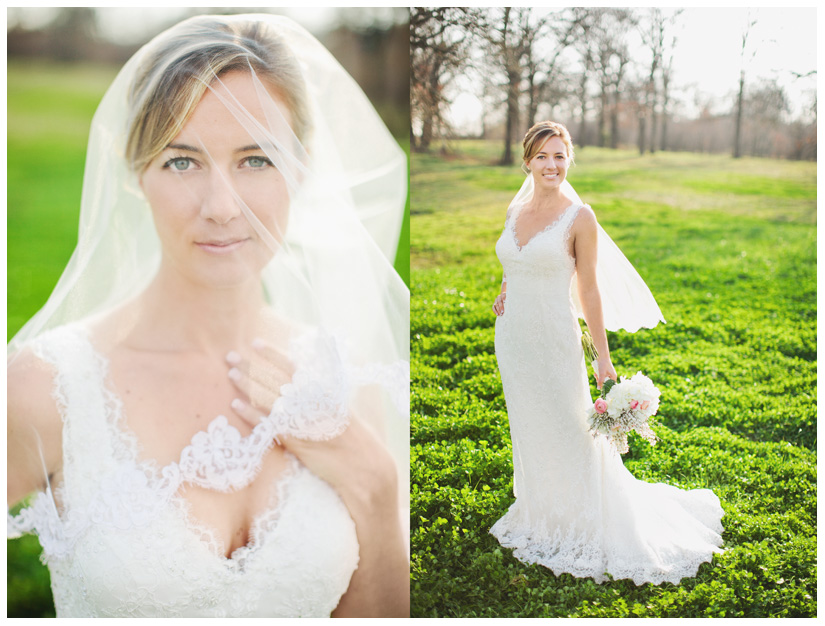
212	407
577	509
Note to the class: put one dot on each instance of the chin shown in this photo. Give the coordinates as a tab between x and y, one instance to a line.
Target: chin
228	273
228	280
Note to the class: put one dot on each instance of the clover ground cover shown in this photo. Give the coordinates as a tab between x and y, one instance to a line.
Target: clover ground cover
731	259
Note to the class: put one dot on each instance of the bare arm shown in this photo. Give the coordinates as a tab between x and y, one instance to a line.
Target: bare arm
585	245
34	428
380	587
498	305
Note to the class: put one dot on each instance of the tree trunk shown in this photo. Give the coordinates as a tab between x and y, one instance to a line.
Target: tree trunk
737	146
665	103
641	132
614	124
426	134
512	116
583	122
603	98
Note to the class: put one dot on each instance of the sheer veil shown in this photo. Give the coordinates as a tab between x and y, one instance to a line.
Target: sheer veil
626	300
328	255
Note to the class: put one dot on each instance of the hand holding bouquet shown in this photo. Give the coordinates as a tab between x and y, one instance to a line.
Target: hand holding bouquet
625	406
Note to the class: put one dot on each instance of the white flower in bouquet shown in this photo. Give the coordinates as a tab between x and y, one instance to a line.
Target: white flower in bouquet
625	406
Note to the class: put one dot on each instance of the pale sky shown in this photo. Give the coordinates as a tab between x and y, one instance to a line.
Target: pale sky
707	58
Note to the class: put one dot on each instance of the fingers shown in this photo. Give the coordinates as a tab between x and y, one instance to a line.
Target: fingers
258	380
259	396
275	356
246	412
498	305
602	373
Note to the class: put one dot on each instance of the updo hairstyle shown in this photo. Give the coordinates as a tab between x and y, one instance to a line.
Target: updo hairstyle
174	77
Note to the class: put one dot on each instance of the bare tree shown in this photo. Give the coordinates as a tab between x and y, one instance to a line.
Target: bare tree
533	66
653	36
622	58
439	39
765	106
605	32
667	73
737	138
508	38
543	75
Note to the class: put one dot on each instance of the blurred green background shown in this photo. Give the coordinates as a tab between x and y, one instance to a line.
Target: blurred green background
50	106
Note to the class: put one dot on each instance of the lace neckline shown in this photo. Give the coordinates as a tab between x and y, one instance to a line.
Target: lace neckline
539	232
166	481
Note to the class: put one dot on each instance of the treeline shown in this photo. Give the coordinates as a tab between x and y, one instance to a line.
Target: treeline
606	72
376	56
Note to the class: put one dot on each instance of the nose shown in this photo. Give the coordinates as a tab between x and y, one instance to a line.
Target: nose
220	202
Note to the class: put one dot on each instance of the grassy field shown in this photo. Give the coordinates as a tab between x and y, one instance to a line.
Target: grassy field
729	250
50	109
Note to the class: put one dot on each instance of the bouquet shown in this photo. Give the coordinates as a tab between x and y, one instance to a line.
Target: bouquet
625	406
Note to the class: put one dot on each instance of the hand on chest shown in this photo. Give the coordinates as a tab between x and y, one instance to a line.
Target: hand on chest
166	401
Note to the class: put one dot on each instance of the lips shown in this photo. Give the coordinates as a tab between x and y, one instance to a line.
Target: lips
221	246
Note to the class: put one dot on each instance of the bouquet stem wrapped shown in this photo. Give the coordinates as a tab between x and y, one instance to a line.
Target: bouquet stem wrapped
590	352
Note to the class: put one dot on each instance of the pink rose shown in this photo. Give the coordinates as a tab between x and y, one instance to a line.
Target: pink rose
634	404
600	405
645	404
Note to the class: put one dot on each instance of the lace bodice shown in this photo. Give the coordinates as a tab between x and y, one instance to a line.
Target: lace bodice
577	508
123	543
541	262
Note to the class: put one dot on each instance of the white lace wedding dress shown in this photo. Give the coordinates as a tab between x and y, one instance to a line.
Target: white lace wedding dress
123	545
577	508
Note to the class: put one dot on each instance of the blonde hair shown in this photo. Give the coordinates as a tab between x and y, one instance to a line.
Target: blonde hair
176	74
538	135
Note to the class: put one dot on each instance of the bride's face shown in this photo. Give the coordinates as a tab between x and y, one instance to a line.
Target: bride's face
215	194
549	165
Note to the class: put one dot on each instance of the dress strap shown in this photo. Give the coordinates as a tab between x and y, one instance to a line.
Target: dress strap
569	217
86	407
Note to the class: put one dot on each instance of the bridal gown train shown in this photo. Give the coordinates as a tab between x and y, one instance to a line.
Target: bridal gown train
578	509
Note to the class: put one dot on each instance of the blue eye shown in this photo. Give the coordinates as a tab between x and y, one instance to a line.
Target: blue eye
179	164
257	162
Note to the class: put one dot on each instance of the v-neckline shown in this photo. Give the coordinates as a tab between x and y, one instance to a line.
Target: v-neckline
545	229
160	474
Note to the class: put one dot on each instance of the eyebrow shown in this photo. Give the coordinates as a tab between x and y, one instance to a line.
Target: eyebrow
186	147
183	146
255	147
250	148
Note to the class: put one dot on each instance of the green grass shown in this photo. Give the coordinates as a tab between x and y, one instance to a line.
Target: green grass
50	108
729	250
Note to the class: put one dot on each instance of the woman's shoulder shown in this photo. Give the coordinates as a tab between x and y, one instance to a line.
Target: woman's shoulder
29	375
33	371
34	423
585	217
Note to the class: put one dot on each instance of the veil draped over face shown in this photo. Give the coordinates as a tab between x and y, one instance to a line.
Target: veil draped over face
626	300
316	194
